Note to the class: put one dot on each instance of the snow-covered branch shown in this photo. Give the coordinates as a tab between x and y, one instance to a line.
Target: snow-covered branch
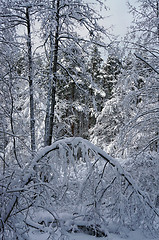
83	174
150	65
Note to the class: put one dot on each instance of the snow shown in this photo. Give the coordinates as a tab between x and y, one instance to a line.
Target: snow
135	235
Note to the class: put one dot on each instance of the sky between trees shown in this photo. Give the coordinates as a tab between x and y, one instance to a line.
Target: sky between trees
119	16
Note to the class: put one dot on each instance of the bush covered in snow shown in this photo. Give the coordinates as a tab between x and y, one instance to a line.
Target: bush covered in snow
73	186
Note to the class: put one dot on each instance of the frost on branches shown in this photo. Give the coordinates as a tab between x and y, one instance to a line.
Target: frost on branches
73	186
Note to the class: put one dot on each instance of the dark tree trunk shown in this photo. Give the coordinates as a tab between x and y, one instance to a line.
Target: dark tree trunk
158	18
50	81
30	78
53	88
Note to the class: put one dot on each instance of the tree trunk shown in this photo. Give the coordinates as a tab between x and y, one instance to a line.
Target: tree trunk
47	118
53	88
30	78
158	18
12	122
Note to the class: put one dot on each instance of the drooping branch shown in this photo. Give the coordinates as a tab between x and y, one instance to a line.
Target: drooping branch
143	60
72	145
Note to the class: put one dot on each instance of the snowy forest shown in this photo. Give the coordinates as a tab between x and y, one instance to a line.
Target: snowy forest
79	121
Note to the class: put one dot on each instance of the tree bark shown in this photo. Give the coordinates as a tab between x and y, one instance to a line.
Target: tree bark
158	18
30	78
54	81
47	117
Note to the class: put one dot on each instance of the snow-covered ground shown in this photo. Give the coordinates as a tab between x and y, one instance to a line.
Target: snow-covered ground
136	235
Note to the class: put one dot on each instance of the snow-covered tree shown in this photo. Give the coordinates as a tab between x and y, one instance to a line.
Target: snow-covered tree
110	119
9	82
135	100
61	39
136	92
111	71
16	15
140	91
108	124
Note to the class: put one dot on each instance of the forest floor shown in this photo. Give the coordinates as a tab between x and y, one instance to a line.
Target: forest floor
135	235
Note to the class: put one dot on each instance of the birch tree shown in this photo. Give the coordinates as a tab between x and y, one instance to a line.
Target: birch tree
9	59
17	15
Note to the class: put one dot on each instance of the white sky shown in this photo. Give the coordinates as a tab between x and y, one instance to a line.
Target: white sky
119	15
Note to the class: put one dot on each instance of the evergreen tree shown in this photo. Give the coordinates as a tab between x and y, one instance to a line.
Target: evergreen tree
109	119
111	70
